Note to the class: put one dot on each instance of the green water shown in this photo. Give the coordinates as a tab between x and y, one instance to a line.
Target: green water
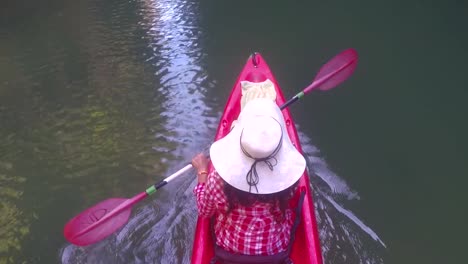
100	99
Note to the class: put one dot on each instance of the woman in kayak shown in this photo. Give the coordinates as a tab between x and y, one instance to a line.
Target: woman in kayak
256	169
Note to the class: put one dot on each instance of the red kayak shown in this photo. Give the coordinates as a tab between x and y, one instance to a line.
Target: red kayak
306	248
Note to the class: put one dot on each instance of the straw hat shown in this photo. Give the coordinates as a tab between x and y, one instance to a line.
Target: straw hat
257	156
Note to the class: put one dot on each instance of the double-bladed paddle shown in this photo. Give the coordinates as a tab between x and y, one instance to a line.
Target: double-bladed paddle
104	218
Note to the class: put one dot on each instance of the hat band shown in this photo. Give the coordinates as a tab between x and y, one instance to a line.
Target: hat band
252	175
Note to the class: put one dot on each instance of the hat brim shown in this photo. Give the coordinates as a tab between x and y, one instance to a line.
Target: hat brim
233	165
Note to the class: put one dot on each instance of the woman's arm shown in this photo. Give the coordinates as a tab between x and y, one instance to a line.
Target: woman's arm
200	163
206	196
209	191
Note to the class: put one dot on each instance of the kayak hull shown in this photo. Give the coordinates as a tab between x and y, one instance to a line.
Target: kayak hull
306	248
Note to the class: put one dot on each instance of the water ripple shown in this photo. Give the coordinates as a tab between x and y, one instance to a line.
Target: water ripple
162	229
344	237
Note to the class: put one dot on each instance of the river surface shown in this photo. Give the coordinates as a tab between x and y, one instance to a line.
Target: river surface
101	99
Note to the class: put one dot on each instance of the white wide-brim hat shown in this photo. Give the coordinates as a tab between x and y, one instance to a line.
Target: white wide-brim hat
261	134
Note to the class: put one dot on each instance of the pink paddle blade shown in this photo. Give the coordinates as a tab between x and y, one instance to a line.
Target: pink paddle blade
99	221
335	71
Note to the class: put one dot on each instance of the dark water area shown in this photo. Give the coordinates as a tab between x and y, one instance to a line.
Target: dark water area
100	99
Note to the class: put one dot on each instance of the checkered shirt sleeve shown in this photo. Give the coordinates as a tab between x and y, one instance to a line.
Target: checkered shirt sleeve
210	195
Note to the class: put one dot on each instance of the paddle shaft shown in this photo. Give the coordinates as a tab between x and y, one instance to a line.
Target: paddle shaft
292	100
160	184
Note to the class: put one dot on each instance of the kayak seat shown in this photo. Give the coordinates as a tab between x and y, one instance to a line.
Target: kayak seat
255	76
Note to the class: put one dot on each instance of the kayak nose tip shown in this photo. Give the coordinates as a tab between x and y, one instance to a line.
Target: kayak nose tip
255	75
255	59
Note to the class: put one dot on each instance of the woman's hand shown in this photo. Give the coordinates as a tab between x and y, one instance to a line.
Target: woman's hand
200	163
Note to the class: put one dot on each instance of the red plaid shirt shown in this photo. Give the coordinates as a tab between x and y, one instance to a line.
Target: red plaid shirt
247	230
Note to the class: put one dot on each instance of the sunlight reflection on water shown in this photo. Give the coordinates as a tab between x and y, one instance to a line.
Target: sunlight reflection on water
163	228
